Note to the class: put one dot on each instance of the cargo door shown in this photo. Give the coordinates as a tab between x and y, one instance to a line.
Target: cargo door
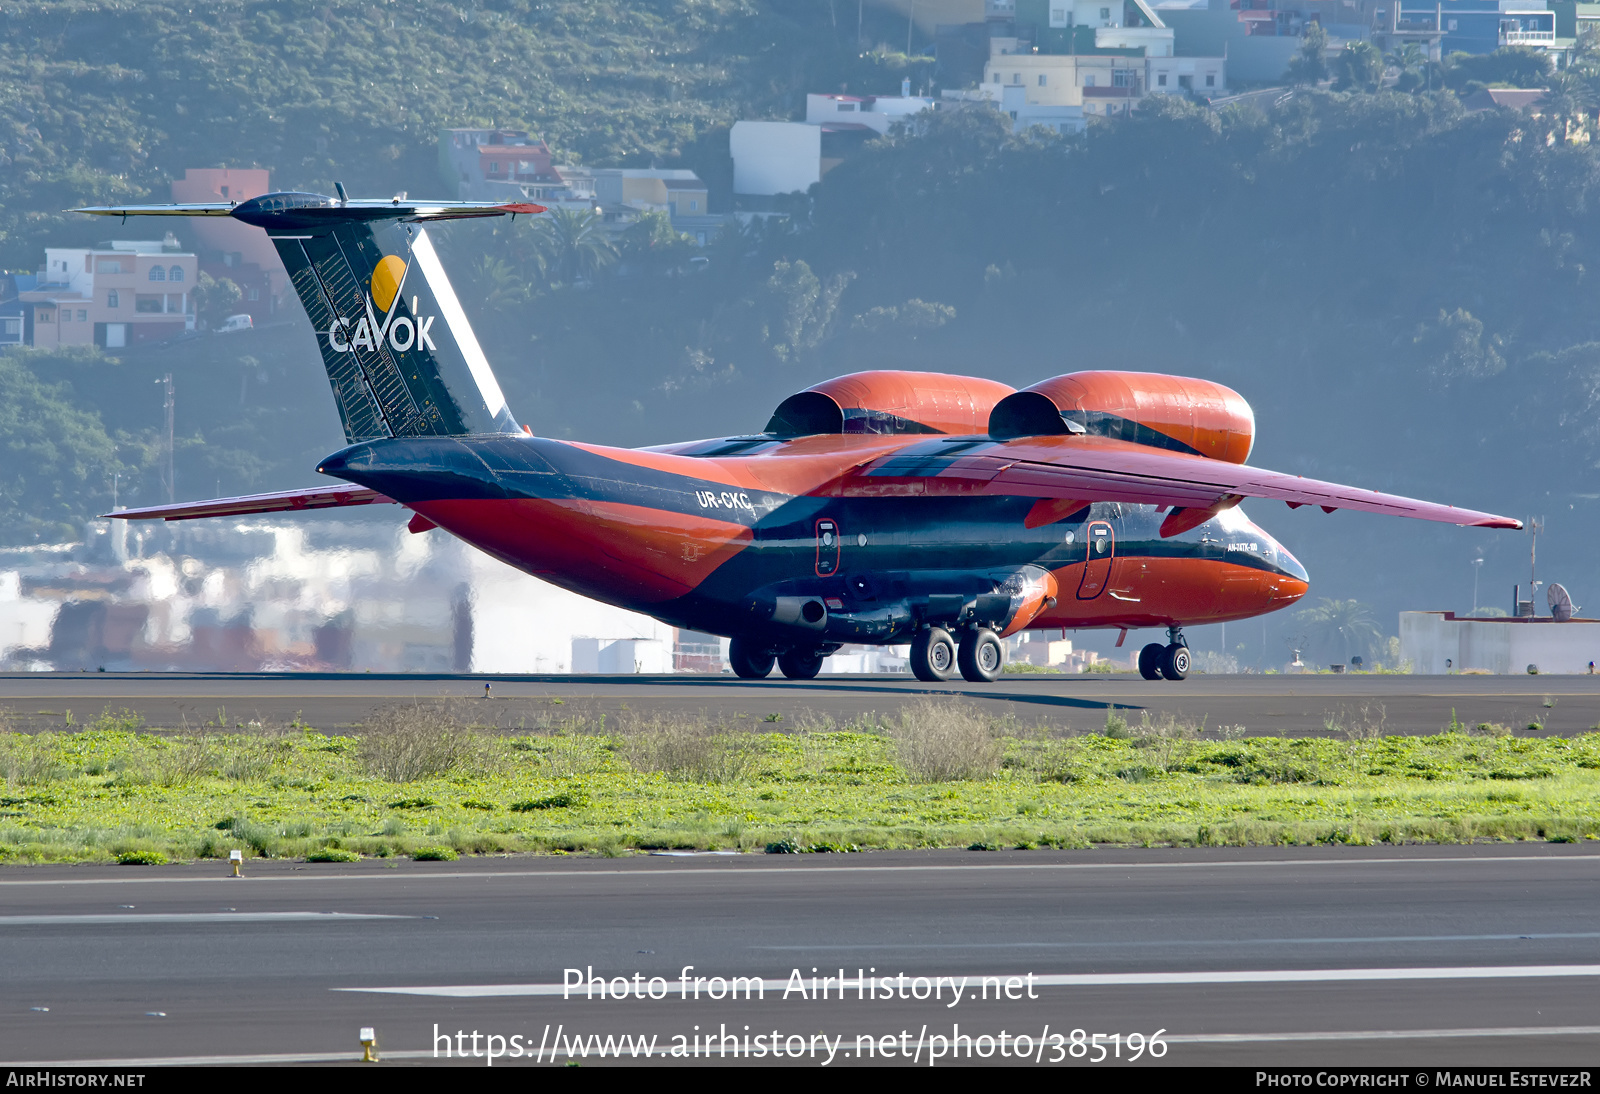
1101	546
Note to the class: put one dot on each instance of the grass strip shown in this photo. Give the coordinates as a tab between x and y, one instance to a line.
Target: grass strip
424	781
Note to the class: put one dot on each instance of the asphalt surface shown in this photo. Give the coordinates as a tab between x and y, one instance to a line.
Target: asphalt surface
1278	705
1323	956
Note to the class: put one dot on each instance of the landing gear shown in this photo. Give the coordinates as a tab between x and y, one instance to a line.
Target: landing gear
933	655
750	660
1150	660
981	658
800	664
1175	658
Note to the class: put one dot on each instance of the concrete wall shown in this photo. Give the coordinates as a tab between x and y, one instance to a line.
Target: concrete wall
1429	639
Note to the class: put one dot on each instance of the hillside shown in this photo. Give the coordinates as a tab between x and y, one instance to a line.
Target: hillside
107	100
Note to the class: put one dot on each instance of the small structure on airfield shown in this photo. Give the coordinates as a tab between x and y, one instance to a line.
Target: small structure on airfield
1561	642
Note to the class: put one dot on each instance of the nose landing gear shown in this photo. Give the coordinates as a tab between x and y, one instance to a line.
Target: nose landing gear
1169	662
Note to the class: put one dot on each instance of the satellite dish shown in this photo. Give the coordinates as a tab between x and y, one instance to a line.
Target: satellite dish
1561	608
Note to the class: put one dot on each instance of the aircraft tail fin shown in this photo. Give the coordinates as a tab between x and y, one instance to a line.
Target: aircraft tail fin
401	356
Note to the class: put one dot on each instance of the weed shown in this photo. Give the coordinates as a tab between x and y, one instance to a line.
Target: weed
29	760
565	800
405	743
1116	725
943	741
785	846
686	751
142	858
435	854
333	854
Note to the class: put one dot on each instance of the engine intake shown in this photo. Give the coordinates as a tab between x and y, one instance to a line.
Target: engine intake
1177	413
890	403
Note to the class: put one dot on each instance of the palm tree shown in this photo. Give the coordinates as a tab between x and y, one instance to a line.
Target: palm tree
573	245
1567	104
1340	628
1409	58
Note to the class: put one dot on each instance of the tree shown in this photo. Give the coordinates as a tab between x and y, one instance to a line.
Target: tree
215	298
1566	105
796	308
1454	348
573	246
1411	60
1360	67
1513	66
1340	629
653	245
57	460
1310	65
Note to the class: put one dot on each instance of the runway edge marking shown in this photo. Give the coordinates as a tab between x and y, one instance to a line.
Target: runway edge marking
732	871
1092	979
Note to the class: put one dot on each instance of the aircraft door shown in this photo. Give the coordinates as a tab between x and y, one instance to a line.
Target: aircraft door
827	547
1101	546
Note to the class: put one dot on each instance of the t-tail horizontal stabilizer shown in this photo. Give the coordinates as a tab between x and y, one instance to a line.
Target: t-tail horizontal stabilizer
401	357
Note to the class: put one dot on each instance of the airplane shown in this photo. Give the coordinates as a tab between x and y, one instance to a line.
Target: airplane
883	507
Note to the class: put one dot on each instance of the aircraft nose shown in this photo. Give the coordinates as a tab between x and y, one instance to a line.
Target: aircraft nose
1292	582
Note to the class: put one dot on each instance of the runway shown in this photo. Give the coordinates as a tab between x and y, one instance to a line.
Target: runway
1446	956
1277	705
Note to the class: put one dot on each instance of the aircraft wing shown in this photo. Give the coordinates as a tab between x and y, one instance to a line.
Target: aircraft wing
1080	470
284	501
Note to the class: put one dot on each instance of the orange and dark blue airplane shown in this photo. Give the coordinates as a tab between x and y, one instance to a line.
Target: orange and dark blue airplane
882	507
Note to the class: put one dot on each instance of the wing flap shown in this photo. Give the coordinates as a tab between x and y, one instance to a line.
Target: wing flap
283	501
1088	469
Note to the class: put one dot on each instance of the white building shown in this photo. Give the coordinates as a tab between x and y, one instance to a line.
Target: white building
1436	643
771	158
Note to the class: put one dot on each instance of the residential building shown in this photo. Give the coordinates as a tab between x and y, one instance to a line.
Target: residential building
495	164
1097	56
771	158
875	113
228	249
120	293
16	317
623	192
1260	37
775	157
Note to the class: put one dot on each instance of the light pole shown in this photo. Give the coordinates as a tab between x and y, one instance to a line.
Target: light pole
1477	568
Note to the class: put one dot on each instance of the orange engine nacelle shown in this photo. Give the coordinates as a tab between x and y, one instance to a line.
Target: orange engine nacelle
890	402
1172	412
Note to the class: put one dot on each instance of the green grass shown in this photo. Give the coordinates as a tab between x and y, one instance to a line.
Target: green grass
114	792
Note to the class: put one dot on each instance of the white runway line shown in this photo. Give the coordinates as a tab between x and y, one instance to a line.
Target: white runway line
1145	943
664	1050
1070	980
187	917
797	870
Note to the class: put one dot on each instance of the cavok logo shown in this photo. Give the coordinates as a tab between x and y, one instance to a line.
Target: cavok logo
402	333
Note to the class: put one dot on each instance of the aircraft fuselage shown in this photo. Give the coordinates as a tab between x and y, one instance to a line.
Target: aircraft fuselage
774	538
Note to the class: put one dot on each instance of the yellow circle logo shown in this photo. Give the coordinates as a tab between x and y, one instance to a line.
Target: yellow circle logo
386	280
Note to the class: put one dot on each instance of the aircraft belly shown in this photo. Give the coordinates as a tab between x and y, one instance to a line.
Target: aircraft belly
622	554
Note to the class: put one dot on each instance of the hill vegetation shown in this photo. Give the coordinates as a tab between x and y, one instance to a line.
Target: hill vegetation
1400	287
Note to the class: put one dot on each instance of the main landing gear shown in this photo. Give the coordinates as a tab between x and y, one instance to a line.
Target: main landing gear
753	661
935	655
1169	662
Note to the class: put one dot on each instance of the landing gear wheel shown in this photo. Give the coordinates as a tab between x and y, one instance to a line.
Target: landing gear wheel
1150	660
1175	662
933	655
750	660
800	664
982	658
